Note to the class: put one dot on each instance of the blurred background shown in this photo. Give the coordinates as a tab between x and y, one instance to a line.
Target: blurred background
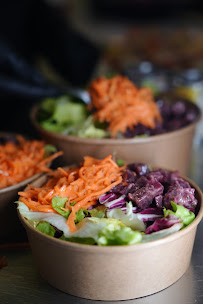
50	46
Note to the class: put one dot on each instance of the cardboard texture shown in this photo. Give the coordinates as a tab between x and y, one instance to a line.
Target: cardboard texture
113	272
171	150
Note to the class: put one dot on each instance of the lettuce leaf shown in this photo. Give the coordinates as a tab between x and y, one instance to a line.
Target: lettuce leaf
68	112
46	228
60	113
107	232
121	236
34	218
128	218
91	226
97	212
181	212
49	149
80	215
92	132
120	162
58	203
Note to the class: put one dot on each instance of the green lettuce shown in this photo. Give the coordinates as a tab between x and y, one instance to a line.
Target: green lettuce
60	113
181	212
58	203
80	215
91	226
97	212
107	232
120	162
121	236
54	219
128	218
46	228
49	149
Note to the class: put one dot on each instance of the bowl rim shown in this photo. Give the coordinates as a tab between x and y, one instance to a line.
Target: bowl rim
22	183
121	248
113	141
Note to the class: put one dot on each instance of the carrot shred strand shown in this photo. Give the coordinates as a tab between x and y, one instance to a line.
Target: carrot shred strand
82	186
23	160
121	104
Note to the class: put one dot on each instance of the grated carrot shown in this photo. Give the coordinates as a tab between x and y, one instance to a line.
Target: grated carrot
120	103
21	161
82	185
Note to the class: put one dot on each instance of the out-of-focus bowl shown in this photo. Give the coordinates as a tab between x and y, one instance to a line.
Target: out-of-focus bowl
170	150
11	230
113	272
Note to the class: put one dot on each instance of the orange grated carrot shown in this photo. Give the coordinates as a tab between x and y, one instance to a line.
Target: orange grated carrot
120	103
82	185
21	161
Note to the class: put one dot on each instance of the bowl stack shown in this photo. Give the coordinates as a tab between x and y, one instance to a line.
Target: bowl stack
104	272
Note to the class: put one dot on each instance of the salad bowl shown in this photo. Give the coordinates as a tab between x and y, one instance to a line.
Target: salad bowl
10	226
171	150
113	272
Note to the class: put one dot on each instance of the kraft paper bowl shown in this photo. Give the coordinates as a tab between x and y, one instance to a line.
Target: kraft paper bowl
113	272
170	150
11	230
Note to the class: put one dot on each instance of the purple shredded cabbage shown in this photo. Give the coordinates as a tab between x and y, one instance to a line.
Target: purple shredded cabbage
105	198
134	209
150	214
163	223
112	200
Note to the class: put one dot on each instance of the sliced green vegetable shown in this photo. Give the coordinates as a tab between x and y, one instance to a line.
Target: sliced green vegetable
181	212
68	112
122	236
58	203
80	215
56	115
49	149
92	132
120	162
97	212
46	228
128	218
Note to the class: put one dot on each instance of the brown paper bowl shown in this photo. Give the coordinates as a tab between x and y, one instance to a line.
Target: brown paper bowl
171	150
11	230
113	272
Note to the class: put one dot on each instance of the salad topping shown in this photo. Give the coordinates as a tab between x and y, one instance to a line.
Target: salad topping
75	189
104	204
118	109
120	103
22	159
